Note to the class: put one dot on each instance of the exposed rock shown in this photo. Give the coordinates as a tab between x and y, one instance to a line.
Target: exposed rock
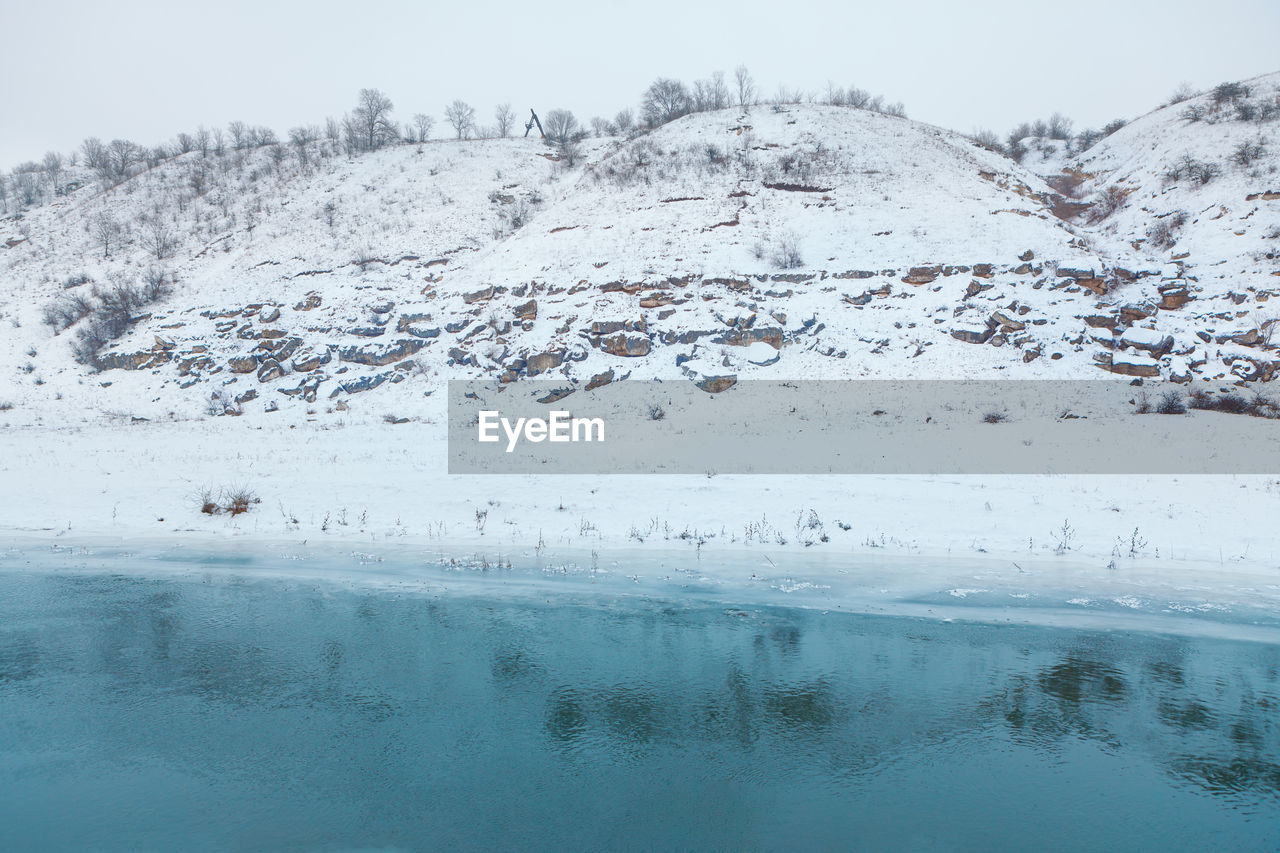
628	346
716	384
1131	365
421	330
658	300
607	327
1003	318
384	307
600	379
364	383
922	275
976	287
270	315
242	364
1248	338
745	337
527	310
973	334
270	370
367	331
544	361
306	390
381	355
132	360
1100	321
313	300
1174	295
1147	339
556	394
479	296
309	361
1254	369
1132	312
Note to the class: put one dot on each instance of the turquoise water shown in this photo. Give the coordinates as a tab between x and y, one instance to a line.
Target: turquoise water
224	712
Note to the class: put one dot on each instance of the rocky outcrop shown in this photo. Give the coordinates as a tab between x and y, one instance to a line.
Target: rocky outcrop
627	346
381	355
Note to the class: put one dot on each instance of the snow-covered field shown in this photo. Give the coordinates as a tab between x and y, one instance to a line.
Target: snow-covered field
319	300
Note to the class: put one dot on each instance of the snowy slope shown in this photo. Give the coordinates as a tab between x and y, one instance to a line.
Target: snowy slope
796	241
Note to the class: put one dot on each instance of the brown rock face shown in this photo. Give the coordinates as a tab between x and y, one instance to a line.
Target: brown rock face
243	364
527	310
381	355
717	384
270	369
600	379
628	346
313	300
309	361
1003	318
544	361
922	275
1173	297
746	337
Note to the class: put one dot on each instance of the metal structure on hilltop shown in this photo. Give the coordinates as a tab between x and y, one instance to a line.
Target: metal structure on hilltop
533	120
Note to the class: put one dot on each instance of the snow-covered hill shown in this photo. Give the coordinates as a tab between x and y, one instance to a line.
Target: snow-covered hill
789	241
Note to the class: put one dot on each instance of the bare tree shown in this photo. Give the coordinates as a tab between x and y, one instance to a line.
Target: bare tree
157	237
121	156
202	140
239	134
106	231
372	118
53	169
560	126
624	121
186	143
745	85
422	124
95	153
665	100
462	116
710	94
505	118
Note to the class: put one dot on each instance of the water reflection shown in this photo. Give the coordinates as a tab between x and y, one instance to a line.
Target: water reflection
413	711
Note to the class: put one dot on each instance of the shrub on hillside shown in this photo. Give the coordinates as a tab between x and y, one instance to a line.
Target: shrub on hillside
1188	168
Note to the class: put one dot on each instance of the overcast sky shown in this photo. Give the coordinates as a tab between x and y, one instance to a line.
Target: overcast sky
145	70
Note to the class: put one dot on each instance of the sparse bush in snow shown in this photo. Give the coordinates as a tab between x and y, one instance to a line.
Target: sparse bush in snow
1246	153
987	139
1225	93
1196	171
1112	126
786	251
1163	233
1111	201
1171	404
1184	92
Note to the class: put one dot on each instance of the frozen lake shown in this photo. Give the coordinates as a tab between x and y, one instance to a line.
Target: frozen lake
232	711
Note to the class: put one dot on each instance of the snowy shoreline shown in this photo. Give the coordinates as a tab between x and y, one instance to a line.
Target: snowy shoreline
373	497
